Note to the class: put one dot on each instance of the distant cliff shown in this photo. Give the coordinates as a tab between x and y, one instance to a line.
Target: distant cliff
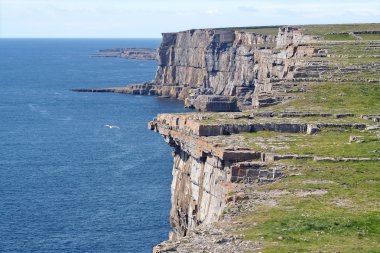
233	69
218	62
227	69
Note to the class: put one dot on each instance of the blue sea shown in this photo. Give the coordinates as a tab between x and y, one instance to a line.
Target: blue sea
69	183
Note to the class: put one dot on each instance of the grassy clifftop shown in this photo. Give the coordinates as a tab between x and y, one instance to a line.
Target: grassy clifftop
304	168
323	207
332	204
318	30
326	206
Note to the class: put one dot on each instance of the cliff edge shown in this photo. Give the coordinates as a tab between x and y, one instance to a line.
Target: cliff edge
210	67
298	169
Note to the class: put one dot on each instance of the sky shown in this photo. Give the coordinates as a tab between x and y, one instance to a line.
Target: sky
150	18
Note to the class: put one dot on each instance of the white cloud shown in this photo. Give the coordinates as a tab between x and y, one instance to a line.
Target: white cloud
212	11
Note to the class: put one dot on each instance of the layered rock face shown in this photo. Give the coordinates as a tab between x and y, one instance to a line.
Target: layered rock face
220	60
197	192
211	161
211	62
231	64
229	70
217	156
205	169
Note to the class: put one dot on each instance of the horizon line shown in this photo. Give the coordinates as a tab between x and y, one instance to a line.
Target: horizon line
80	38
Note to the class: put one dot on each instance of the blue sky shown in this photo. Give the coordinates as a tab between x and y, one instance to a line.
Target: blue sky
148	18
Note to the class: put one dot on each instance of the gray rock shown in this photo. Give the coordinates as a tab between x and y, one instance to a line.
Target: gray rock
312	129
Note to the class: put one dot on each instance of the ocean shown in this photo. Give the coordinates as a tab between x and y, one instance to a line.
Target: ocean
69	183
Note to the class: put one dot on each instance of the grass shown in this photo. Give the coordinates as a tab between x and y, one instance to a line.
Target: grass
221	118
369	36
347	62
318	30
328	143
278	120
321	30
346	219
353	49
338	37
355	97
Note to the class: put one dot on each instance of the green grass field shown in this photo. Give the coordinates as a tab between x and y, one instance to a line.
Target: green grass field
354	97
332	142
344	219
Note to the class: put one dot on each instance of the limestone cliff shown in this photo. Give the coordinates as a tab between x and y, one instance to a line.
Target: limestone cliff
219	157
206	167
228	63
218	62
216	169
318	86
227	69
230	69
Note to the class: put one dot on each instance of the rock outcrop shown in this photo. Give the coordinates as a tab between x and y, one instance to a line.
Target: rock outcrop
223	62
218	156
129	53
227	69
211	164
205	169
239	69
207	165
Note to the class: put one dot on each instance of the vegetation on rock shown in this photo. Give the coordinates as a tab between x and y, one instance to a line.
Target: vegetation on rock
301	169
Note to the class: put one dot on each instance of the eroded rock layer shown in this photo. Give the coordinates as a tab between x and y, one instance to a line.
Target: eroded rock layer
212	160
205	168
225	62
222	160
227	69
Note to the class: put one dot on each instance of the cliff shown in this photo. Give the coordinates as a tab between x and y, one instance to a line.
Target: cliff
227	69
297	169
204	168
216	165
228	63
280	178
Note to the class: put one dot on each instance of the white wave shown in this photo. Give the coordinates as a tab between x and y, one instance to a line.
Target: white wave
66	118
